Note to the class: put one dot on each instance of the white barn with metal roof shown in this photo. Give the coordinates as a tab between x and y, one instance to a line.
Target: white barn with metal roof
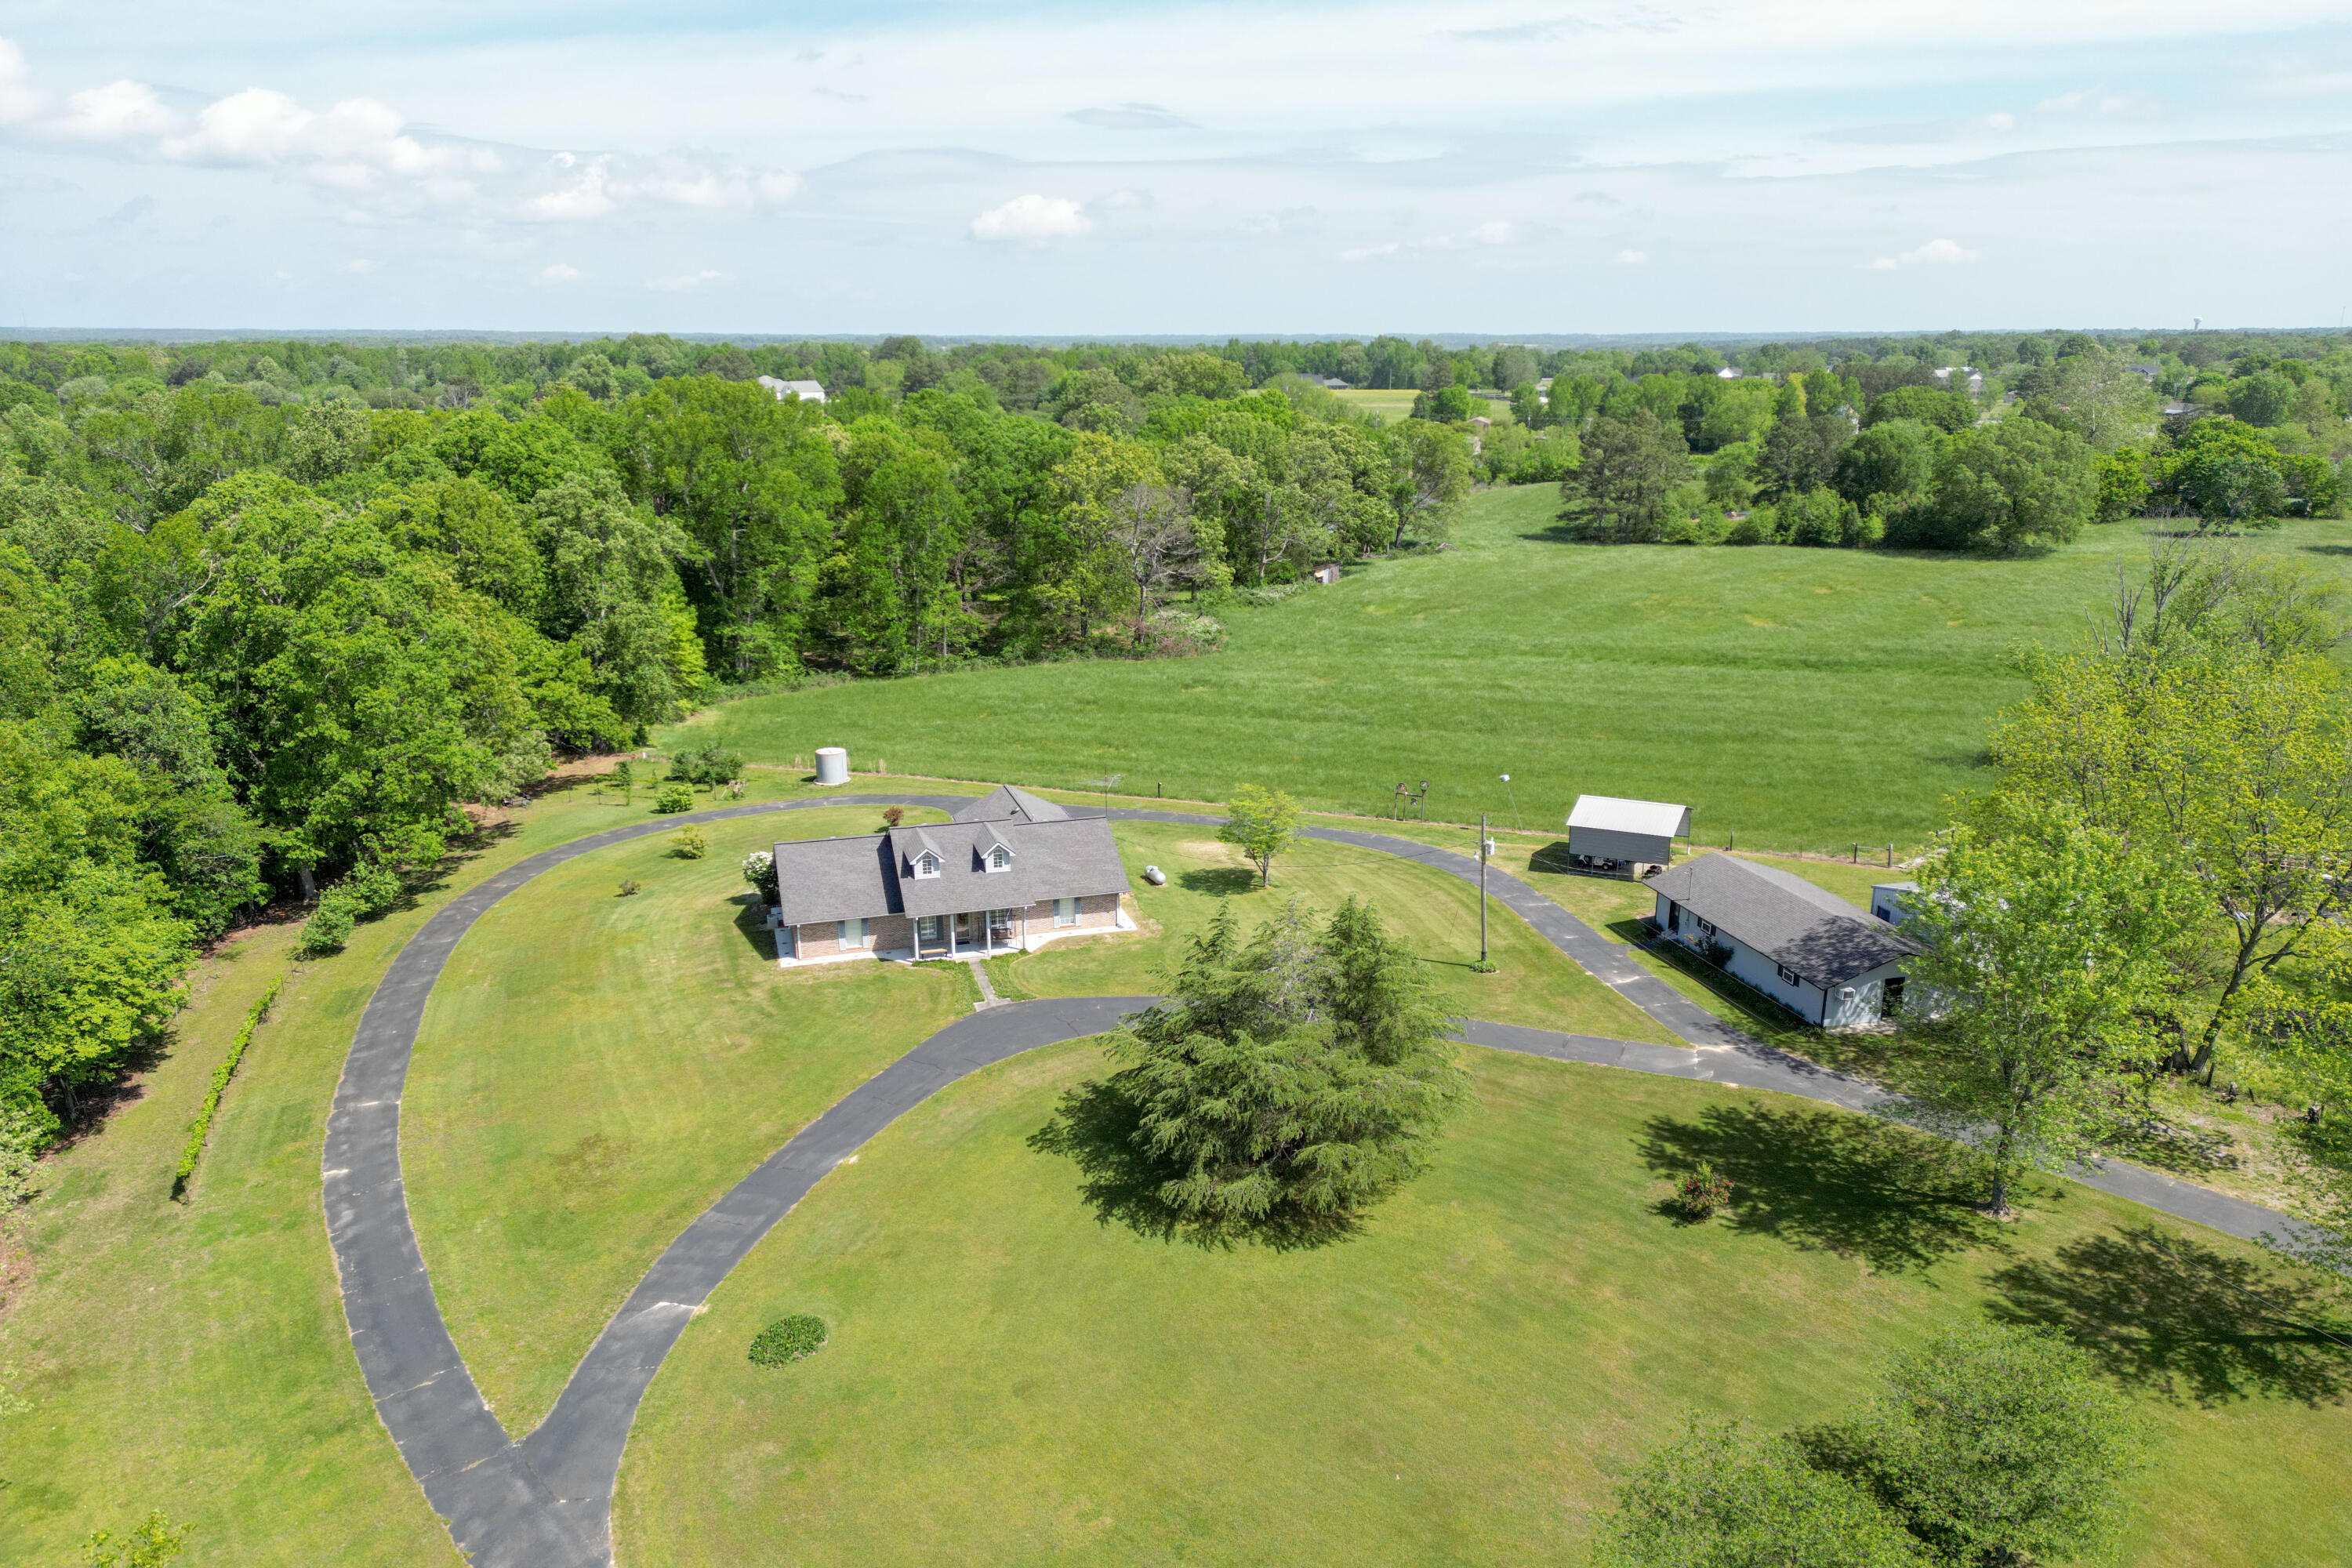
1609	834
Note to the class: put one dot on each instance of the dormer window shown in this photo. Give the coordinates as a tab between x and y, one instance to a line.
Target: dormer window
927	864
1000	859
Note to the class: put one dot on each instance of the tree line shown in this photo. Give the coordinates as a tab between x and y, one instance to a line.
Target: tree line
249	647
1853	453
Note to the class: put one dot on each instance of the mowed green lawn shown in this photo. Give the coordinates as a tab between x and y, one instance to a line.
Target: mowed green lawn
1435	915
193	1357
1014	1379
593	1072
1797	698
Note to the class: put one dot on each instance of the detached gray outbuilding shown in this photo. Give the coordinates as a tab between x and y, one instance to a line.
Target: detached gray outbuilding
1809	949
1607	833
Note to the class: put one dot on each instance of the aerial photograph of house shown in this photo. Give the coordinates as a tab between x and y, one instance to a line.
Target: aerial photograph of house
1009	874
1829	962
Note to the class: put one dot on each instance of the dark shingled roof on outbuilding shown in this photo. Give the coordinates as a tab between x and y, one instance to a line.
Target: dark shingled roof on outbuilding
1784	917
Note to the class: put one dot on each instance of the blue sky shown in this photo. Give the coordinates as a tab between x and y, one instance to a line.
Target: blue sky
1748	165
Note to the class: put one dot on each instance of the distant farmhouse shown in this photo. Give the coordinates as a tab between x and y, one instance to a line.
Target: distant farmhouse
1606	834
1809	949
806	391
1011	873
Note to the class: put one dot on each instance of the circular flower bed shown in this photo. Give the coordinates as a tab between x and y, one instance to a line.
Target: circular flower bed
783	1342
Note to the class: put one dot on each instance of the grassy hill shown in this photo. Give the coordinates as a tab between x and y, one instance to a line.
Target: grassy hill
1797	698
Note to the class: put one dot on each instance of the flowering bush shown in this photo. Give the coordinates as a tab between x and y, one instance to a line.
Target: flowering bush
1703	1191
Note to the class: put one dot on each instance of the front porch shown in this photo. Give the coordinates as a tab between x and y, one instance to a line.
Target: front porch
975	933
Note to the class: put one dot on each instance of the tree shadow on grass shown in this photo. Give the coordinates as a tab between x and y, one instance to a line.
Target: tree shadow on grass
1830	1180
1093	1128
2189	1323
1219	881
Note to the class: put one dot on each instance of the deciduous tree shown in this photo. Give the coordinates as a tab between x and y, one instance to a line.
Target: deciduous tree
1260	823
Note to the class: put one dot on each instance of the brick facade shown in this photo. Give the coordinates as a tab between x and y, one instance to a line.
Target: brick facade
896	933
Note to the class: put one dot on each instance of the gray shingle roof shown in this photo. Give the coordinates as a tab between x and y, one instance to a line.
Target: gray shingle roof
1785	917
1010	802
1061	857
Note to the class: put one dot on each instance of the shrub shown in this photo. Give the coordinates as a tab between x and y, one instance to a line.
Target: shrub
202	1125
893	814
369	891
710	765
1759	527
1706	526
674	798
760	870
789	1340
1176	632
329	927
629	889
688	843
1700	1193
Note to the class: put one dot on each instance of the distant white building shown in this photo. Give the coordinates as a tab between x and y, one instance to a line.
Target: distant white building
1607	833
1729	372
806	391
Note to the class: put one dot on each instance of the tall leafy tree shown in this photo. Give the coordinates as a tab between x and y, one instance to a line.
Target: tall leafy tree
2048	944
1992	1444
1622	491
359	690
1717	1498
752	483
1256	1103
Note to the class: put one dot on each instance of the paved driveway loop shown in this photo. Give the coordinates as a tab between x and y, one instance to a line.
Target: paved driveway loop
546	1501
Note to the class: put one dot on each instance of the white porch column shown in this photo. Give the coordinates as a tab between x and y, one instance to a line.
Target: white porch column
952	951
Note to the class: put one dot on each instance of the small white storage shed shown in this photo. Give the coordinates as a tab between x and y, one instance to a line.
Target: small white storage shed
1611	834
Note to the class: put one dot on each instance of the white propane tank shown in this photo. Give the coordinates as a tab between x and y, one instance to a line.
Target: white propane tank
831	765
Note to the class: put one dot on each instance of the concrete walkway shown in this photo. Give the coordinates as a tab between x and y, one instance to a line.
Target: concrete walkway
545	1500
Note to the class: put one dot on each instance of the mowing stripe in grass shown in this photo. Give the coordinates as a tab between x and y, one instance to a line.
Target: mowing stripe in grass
202	1125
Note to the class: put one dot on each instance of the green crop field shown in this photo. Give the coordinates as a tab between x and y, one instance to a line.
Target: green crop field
1016	1377
1795	698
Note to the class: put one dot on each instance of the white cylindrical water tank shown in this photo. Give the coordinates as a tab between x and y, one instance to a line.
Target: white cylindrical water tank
831	765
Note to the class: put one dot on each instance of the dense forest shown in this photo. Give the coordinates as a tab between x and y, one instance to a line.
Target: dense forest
272	612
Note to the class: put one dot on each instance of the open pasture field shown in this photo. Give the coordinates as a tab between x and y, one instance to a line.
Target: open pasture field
1017	1375
1795	698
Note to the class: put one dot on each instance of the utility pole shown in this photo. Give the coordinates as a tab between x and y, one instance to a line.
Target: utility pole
1485	848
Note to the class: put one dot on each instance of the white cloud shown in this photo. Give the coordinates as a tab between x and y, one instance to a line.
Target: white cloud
119	111
18	99
1366	252
2002	122
687	282
360	266
1632	258
1935	253
583	198
1497	232
561	273
1938	252
608	183
1034	218
259	126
